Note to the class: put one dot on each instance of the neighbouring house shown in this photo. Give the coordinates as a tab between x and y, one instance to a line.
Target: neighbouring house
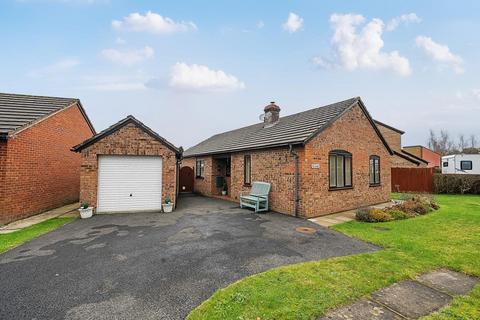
461	164
37	170
128	168
426	154
319	161
401	158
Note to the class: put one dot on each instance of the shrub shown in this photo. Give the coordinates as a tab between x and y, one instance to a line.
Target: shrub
456	183
379	215
412	206
372	215
362	215
397	214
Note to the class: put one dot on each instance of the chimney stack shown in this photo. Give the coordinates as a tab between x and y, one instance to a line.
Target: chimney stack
272	115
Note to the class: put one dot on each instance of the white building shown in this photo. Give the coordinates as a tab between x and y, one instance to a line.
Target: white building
461	164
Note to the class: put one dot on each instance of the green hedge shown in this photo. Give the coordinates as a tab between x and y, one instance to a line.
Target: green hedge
456	183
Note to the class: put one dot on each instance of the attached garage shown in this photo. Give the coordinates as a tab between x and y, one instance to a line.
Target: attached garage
128	168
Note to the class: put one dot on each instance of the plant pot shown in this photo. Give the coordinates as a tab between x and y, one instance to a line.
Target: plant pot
224	193
86	213
167	207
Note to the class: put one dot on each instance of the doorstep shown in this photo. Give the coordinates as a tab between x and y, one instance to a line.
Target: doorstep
344	216
65	211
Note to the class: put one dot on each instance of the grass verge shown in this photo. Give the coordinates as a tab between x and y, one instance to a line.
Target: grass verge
449	237
14	239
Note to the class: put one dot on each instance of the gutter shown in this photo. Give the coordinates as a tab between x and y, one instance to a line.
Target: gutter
296	186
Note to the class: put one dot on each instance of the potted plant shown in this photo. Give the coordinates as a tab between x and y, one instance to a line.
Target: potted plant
85	210
224	188
168	205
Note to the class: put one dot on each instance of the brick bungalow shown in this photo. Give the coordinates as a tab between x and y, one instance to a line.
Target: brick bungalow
37	170
320	161
402	158
128	168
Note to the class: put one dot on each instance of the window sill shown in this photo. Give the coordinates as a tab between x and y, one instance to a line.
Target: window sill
247	185
339	188
376	185
198	177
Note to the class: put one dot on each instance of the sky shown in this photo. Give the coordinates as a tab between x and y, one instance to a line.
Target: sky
191	69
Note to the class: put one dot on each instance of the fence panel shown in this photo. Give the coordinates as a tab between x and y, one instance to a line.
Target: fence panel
412	179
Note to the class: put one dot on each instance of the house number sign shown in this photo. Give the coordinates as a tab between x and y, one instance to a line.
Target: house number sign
315	165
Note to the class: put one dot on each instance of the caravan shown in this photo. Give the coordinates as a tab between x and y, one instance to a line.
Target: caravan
461	164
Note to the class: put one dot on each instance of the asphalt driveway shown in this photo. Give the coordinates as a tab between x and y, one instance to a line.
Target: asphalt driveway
151	265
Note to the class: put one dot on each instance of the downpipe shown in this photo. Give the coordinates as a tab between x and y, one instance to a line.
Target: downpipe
296	186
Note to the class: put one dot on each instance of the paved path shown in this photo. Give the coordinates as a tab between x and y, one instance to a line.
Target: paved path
410	299
152	265
344	216
27	222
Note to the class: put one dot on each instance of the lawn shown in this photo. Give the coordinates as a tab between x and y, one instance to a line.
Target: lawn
449	237
11	240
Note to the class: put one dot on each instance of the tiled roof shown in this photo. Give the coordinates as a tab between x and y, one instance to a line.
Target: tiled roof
293	129
18	111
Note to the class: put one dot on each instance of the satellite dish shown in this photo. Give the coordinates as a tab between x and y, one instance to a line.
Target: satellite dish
262	117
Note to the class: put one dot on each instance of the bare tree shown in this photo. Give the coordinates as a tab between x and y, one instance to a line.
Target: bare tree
473	141
441	143
462	142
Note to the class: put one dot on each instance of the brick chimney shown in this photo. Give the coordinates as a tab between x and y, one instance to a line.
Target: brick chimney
272	115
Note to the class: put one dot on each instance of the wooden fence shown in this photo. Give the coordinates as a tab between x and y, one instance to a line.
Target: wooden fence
412	179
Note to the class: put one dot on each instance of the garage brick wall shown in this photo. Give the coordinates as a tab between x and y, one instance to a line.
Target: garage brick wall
39	170
128	140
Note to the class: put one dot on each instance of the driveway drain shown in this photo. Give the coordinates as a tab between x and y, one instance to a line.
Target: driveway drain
306	230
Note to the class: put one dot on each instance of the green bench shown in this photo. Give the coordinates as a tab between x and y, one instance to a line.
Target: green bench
257	198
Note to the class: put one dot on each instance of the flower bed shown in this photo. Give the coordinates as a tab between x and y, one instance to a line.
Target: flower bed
412	206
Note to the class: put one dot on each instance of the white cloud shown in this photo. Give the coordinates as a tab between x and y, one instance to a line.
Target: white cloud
120	41
153	23
362	50
293	23
404	18
60	66
128	57
199	77
440	53
476	93
133	81
260	24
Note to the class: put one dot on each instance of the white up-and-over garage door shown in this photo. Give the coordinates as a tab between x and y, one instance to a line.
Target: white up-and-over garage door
129	183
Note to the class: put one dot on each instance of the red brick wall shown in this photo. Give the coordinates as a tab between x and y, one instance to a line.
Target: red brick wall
353	133
272	165
41	171
433	158
3	170
394	139
128	140
203	185
399	162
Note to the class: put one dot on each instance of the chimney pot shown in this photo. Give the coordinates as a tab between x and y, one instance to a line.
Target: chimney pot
272	115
